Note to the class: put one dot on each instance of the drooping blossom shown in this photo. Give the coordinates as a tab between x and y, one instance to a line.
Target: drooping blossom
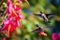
10	5
10	23
14	18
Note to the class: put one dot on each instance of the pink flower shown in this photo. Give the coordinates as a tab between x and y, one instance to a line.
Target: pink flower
11	25
54	36
22	17
12	10
14	18
17	8
6	22
3	38
10	5
59	35
12	22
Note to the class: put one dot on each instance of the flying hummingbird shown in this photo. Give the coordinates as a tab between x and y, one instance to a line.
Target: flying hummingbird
44	16
40	31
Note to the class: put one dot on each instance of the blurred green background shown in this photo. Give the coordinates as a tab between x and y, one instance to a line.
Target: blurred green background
48	6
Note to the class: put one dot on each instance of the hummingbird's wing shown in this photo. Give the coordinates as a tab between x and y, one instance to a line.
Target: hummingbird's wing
38	15
49	15
37	30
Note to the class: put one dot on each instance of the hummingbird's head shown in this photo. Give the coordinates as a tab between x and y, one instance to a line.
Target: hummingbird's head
37	25
41	12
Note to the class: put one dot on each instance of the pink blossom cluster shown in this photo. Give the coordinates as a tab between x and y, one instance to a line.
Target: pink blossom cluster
14	17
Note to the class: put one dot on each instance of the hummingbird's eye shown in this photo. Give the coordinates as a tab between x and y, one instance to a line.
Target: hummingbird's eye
41	11
36	25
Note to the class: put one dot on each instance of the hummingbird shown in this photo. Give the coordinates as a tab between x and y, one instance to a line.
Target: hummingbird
44	16
40	31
